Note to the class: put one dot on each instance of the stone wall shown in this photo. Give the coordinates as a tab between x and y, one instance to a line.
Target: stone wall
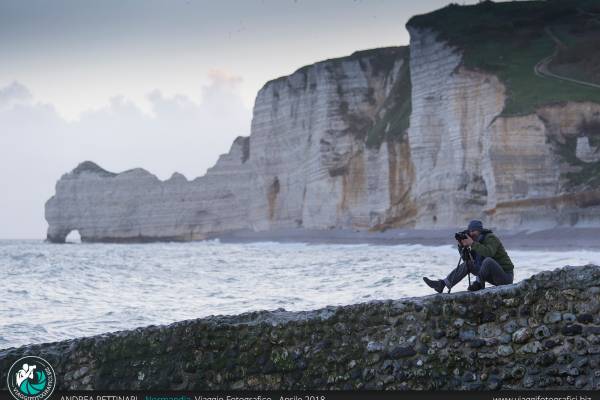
543	332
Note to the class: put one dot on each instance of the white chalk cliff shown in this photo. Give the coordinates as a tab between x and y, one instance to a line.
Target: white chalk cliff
469	160
327	149
305	164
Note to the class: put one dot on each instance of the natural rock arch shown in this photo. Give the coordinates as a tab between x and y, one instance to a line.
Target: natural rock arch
73	237
58	235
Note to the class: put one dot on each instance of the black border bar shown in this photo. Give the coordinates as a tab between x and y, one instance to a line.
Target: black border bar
317	395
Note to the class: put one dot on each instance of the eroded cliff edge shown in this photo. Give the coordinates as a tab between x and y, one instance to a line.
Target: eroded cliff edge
543	332
488	136
318	157
425	137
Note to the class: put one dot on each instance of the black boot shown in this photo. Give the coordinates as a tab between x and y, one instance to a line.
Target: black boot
438	285
475	286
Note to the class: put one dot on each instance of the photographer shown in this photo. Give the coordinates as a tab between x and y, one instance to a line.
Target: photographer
486	259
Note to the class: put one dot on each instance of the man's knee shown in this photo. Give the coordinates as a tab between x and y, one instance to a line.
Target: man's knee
487	266
492	272
489	262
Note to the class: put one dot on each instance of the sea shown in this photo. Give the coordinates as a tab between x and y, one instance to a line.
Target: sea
52	292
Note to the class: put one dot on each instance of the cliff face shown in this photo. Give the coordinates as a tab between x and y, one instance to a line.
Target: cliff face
381	138
305	164
543	332
452	109
310	163
538	174
471	160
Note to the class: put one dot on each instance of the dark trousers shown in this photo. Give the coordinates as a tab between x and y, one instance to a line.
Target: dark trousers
489	271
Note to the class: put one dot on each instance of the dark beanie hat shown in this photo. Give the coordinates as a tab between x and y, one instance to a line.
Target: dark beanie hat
475	225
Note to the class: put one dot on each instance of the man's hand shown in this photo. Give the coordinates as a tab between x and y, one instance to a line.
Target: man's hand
467	242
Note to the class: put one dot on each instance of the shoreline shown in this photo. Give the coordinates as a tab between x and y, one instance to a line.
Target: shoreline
558	239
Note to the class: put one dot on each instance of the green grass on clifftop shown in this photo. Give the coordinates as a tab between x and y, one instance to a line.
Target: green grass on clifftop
580	56
508	39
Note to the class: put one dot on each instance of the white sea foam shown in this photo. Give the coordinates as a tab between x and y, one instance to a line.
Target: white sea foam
53	292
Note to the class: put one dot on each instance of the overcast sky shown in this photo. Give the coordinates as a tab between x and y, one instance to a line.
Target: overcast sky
162	85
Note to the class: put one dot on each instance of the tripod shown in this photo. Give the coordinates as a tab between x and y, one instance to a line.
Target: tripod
467	257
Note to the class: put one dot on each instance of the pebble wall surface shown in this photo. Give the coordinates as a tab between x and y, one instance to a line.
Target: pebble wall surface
543	332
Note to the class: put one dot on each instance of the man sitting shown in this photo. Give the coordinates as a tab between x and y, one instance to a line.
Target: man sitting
491	262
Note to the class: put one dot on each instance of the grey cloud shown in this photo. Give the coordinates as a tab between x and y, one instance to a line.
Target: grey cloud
37	146
14	92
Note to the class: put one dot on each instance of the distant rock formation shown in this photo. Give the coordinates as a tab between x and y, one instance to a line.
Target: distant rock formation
388	137
541	333
306	164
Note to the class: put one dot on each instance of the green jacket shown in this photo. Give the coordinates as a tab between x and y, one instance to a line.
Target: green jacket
492	247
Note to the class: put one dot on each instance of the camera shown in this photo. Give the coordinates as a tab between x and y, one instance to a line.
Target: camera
466	253
461	235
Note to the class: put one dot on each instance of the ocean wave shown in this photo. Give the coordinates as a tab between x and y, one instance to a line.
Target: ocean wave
79	290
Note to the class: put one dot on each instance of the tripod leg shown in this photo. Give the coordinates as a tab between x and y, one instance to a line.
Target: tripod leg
459	260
